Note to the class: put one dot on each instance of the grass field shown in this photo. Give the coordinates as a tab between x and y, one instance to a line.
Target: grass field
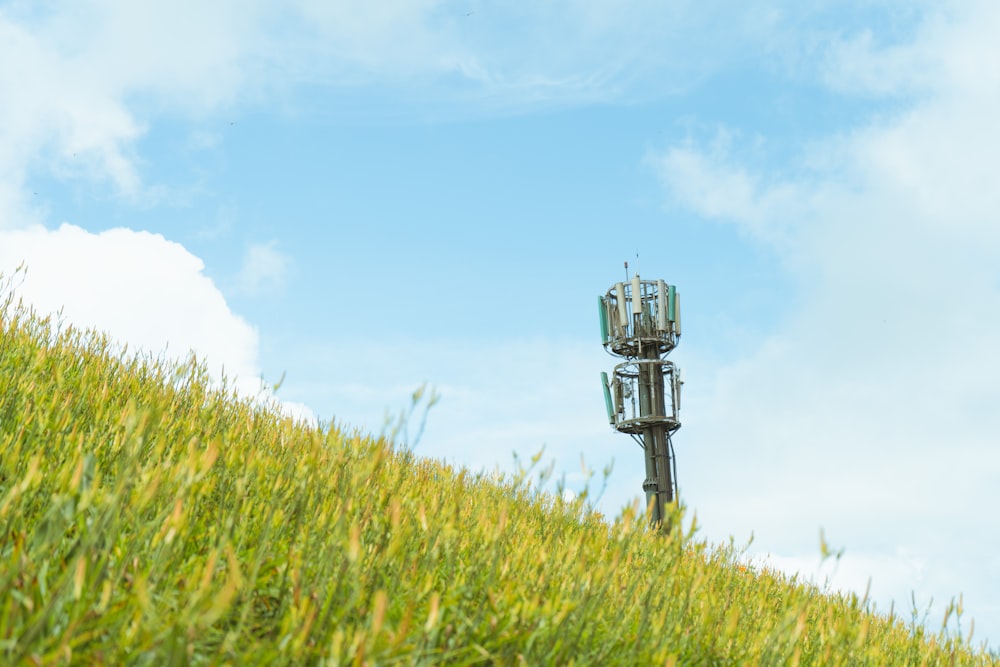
151	519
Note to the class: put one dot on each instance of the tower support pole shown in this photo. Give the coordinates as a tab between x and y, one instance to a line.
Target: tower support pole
659	483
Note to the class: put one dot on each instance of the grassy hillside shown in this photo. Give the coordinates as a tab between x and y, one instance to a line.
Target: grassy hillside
148	519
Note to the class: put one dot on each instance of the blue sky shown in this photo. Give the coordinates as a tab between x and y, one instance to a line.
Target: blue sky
368	196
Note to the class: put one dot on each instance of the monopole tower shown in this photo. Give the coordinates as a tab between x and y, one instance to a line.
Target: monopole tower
641	322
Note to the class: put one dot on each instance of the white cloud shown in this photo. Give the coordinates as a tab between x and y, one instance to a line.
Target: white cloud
868	410
715	185
138	287
264	267
56	112
954	50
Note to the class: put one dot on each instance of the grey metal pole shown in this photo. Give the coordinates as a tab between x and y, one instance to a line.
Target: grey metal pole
650	484
665	485
658	486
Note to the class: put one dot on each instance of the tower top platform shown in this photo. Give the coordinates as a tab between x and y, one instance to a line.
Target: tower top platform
640	318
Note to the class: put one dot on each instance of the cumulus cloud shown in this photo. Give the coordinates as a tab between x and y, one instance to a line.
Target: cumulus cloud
142	289
867	409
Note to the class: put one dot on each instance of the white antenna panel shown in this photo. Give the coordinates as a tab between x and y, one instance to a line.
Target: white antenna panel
661	306
622	308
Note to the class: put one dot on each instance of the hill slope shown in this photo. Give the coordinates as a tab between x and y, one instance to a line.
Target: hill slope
147	518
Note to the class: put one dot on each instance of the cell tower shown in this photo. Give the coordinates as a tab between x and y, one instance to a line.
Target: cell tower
641	321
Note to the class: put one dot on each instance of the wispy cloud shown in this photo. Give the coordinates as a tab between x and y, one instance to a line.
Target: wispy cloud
712	182
264	268
81	83
954	49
